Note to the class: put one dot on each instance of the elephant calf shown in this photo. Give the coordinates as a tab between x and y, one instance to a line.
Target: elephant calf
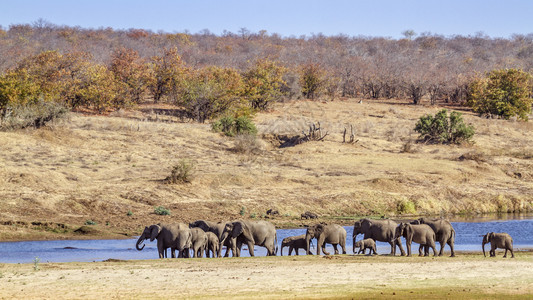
365	244
498	240
198	241
212	245
294	242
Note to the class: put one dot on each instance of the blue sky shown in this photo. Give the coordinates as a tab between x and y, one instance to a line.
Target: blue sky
385	18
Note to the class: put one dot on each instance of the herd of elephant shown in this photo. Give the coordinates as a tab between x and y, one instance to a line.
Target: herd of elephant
209	237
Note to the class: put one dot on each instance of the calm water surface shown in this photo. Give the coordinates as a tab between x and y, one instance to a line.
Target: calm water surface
467	239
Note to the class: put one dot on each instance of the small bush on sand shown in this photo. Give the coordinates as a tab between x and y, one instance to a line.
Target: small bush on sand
182	172
162	211
444	129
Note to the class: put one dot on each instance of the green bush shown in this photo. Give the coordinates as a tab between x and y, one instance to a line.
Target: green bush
504	93
90	222
231	126
444	129
162	211
182	172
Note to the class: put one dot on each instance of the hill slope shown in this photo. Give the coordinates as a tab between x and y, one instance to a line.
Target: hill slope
111	169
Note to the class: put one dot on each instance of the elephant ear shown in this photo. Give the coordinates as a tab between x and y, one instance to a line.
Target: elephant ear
319	228
154	232
239	228
491	236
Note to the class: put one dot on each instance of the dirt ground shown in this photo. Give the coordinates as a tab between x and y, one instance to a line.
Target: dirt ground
468	276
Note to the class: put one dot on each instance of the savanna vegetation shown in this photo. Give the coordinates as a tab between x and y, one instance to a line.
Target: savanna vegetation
149	108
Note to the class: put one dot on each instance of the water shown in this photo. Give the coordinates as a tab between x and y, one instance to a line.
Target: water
467	239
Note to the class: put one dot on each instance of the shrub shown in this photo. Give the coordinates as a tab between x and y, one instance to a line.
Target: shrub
90	222
162	211
182	172
504	93
231	126
247	144
406	207
444	129
31	115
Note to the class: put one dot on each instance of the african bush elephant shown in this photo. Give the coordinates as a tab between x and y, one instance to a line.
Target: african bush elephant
260	233
422	234
444	232
378	230
294	242
326	233
365	244
174	236
198	241
498	240
212	245
217	229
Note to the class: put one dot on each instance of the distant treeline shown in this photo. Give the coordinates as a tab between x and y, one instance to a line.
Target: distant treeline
103	68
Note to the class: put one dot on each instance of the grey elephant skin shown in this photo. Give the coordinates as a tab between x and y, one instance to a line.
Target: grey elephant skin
217	229
174	236
212	245
260	233
444	232
326	233
365	244
294	242
422	234
198	241
498	240
380	231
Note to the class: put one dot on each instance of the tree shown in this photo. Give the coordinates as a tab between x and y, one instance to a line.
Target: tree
212	91
263	82
504	93
132	72
312	80
167	73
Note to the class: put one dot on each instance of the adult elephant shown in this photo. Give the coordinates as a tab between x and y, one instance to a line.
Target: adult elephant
174	236
326	233
418	233
378	230
260	233
445	234
498	240
217	229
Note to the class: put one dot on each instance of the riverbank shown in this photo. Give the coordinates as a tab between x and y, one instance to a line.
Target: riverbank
469	275
55	182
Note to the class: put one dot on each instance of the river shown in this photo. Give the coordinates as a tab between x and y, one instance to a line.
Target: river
467	239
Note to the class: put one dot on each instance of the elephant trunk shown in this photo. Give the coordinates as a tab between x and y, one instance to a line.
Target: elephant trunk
139	242
353	248
307	243
483	246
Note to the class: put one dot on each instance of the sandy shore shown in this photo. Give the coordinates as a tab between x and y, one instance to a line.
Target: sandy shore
466	276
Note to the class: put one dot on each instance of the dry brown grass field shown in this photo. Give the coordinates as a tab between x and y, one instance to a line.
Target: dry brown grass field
54	179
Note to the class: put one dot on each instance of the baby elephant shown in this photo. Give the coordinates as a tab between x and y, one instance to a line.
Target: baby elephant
498	240
365	244
294	242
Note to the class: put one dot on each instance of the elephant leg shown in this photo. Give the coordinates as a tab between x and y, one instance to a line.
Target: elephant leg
442	243
408	245
512	252
374	249
335	248
505	254
250	248
392	248
420	250
450	243
398	242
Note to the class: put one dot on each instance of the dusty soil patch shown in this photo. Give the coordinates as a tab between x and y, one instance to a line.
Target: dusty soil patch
466	276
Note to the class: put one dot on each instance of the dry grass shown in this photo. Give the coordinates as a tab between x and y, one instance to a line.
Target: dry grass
100	168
